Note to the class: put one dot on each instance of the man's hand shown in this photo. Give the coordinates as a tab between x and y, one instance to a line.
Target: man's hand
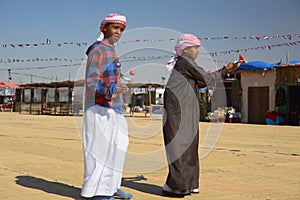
232	65
122	88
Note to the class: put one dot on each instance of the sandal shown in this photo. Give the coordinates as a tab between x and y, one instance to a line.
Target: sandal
122	194
195	191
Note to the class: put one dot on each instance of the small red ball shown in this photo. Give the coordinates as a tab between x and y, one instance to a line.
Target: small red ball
132	72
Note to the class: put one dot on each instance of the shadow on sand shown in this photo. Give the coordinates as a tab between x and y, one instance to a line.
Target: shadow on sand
65	190
49	186
132	182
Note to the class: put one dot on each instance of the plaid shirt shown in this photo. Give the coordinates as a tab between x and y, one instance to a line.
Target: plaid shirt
102	76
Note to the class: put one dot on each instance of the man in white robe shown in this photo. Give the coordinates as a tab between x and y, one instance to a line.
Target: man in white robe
105	131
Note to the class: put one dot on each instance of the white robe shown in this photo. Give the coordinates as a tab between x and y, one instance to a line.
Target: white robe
105	142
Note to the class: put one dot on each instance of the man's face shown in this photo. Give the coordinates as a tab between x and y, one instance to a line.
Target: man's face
113	32
192	52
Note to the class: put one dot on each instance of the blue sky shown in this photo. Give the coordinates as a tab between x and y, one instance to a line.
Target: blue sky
35	21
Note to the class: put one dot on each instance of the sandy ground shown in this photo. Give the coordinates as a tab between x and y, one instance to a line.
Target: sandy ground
41	158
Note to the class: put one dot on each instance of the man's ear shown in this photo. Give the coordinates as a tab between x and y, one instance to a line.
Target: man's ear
104	28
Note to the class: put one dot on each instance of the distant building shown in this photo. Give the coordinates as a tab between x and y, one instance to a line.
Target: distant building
7	95
273	89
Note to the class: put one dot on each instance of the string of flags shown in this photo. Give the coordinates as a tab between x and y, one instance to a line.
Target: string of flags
266	37
71	60
21	60
148	58
47	43
212	54
79	44
33	76
43	67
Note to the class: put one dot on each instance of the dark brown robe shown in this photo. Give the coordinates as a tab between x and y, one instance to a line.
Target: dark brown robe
181	121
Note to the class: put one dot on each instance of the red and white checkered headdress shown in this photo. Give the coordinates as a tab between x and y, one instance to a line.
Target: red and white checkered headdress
113	18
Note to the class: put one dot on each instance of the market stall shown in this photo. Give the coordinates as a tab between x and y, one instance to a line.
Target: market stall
7	94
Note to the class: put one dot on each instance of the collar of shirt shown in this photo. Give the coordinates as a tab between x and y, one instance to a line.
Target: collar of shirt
106	43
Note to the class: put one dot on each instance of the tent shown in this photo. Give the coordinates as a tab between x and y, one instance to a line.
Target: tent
256	65
260	65
8	89
294	62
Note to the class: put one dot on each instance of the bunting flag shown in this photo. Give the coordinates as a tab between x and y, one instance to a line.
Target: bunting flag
47	43
242	59
123	59
142	58
266	37
252	48
79	44
21	60
151	58
44	67
139	58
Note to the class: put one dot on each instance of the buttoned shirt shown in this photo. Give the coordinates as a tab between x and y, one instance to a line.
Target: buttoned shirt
102	77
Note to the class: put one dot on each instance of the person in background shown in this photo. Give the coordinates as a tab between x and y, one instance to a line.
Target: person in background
160	100
181	116
105	131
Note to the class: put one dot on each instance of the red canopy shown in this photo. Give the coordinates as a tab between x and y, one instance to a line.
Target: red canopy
8	84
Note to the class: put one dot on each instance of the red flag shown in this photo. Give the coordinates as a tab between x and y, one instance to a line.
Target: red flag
242	59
